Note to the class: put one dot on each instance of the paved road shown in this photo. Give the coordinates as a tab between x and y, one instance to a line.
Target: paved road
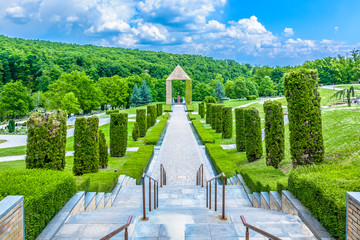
179	153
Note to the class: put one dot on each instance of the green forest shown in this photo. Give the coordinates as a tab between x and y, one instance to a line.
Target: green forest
81	78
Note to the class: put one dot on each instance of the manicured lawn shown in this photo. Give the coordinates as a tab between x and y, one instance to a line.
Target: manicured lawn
12	151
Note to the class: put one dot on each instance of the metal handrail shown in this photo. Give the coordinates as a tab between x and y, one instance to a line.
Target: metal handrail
208	193
200	176
162	175
262	232
156	194
113	233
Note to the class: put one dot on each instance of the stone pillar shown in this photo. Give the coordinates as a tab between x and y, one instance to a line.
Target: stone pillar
12	218
353	215
168	92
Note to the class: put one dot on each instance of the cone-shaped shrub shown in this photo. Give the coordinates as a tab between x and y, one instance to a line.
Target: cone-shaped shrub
11	126
159	109
306	140
46	141
86	145
135	132
152	111
227	122
202	110
118	134
208	113
253	140
218	111
274	133
103	150
240	129
141	120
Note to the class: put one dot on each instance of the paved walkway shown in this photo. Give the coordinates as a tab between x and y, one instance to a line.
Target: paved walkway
180	153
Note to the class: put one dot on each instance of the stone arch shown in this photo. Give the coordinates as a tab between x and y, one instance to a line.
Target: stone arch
179	74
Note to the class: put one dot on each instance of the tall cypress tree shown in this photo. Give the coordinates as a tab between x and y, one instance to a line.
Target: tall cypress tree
240	129
145	94
118	134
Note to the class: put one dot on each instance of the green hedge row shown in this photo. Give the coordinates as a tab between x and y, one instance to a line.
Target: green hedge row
45	193
221	160
112	111
153	137
322	189
251	97
97	182
167	108
306	141
191	116
264	179
203	133
135	166
189	108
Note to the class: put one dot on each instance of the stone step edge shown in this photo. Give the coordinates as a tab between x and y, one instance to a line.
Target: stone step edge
286	203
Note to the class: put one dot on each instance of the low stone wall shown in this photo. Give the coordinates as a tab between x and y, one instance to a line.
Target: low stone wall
353	215
12	218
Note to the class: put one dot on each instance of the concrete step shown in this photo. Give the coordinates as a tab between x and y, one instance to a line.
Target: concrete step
126	181
250	197
275	201
121	179
90	201
115	192
256	200
265	200
107	200
100	200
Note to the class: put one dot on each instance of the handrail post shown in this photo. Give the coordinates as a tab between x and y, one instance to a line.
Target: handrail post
247	233
149	195
197	178
157	195
161	175
126	234
207	194
215	195
143	190
154	195
202	175
223	203
210	195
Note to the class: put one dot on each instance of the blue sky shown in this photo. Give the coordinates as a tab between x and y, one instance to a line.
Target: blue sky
258	32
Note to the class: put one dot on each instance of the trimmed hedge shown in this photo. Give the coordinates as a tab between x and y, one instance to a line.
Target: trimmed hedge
141	120
203	133
253	141
208	113
191	116
11	126
322	189
46	141
135	131
188	92
118	134
306	140
97	182
136	165
159	109
240	129
167	108
189	108
103	150
213	116
221	160
112	111
45	193
151	109
274	133
202	109
264	179
86	145
153	137
148	120
218	112
227	122
251	97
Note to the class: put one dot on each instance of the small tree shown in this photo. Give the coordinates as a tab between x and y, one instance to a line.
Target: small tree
348	93
240	129
227	122
70	103
306	140
266	87
135	98
253	134
141	121
219	91
152	111
118	134
86	145
145	94
135	132
11	126
274	133
103	150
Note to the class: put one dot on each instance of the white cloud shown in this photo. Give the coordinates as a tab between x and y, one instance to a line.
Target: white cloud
288	32
336	28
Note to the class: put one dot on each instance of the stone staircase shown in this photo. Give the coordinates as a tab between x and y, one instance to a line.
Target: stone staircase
182	214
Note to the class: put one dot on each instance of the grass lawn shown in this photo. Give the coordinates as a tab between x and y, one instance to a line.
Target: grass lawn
347	86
